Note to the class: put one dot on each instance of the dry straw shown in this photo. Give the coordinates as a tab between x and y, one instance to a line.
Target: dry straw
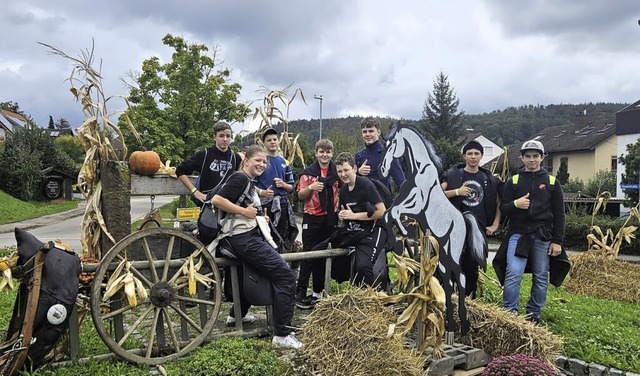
594	274
352	334
499	332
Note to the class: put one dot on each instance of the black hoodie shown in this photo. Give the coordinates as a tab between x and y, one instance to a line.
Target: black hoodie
546	209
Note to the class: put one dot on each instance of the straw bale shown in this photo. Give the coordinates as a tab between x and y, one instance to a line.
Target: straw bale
347	334
499	332
593	274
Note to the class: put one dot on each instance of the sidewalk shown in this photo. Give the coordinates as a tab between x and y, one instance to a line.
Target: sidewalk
45	220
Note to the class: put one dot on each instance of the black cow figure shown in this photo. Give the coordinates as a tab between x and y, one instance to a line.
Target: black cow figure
57	298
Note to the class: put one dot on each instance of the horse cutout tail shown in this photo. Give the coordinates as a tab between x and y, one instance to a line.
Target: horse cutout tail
476	241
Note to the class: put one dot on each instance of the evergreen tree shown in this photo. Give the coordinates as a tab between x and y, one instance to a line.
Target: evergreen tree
63	123
442	122
563	171
51	123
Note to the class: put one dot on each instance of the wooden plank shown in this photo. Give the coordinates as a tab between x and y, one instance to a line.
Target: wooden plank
471	372
158	185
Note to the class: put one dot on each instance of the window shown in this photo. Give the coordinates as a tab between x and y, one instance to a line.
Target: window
548	163
614	163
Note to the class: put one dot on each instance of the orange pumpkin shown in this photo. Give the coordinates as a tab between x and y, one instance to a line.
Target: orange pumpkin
144	162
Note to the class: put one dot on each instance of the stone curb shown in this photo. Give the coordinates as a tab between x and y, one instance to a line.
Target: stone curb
577	367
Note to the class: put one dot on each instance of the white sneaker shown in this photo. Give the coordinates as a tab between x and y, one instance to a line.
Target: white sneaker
248	319
290	342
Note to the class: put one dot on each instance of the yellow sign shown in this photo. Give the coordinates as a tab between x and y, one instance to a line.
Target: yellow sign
187	214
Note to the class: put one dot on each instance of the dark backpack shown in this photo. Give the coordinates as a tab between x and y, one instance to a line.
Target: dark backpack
210	219
384	192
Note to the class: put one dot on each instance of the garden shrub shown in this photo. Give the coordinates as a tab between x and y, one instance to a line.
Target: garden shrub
518	365
577	227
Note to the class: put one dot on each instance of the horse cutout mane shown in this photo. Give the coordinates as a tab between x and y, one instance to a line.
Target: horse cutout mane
421	197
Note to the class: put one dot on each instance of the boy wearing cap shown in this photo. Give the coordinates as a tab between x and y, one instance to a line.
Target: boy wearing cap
273	186
471	187
534	204
369	158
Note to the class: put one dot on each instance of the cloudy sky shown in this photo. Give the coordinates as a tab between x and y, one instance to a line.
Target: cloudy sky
366	57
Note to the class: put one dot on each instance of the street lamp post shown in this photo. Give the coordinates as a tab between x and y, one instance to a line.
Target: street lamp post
319	97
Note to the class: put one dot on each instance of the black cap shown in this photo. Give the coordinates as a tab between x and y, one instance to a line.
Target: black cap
268	132
473	144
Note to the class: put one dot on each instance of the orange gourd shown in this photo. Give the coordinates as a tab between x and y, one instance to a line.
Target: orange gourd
144	162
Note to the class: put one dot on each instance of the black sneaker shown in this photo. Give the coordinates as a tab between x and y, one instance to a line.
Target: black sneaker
534	320
307	302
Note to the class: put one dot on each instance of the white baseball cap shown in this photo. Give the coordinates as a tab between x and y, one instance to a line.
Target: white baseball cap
532	145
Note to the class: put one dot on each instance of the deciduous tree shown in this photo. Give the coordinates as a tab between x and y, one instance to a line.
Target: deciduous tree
175	104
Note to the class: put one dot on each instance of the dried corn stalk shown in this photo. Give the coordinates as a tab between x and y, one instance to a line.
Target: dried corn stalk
426	301
605	241
93	134
123	278
6	263
189	273
270	114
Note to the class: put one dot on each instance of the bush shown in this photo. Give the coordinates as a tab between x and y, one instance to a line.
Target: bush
518	365
573	186
25	154
601	182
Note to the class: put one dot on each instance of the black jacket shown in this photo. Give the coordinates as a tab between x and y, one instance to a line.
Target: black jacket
546	207
217	167
559	266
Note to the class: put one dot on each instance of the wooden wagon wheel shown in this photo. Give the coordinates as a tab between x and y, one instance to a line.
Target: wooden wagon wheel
170	322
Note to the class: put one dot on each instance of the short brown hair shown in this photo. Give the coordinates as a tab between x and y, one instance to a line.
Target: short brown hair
370	122
221	126
252	150
325	144
345	158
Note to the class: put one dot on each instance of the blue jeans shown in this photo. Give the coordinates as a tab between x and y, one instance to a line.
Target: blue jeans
539	265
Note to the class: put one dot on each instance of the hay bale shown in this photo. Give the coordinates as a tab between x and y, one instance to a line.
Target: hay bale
593	274
499	332
347	335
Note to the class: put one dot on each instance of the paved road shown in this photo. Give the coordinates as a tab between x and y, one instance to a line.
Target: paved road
66	225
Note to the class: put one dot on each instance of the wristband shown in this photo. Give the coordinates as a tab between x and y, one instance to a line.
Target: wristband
259	191
309	188
194	190
515	203
457	192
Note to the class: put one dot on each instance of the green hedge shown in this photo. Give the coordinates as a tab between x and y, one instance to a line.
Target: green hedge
577	228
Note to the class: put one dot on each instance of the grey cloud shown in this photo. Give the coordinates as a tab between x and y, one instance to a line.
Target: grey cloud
576	25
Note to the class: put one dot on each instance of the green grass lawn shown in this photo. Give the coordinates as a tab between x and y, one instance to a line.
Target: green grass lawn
14	210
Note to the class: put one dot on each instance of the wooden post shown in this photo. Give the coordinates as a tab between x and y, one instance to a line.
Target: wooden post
115	201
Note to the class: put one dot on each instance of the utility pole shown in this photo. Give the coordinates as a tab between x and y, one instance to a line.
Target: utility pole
319	97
